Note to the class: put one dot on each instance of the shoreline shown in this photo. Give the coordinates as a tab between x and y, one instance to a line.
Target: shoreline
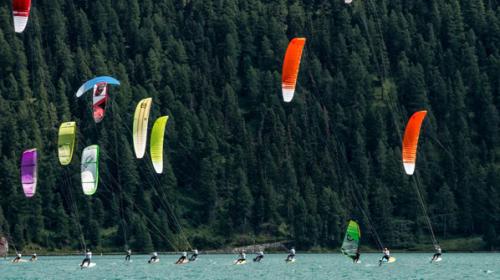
62	254
454	245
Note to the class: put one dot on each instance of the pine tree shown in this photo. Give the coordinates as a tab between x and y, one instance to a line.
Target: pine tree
239	162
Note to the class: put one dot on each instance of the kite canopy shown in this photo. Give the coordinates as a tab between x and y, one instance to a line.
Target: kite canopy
20	12
90	169
156	144
91	83
350	246
29	172
99	101
66	142
140	129
410	141
291	66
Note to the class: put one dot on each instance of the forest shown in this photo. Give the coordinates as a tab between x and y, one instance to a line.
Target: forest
241	166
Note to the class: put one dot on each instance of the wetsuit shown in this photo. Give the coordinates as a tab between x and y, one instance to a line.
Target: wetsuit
153	258
437	254
88	257
387	256
182	258
127	257
17	258
259	257
242	257
33	258
194	256
356	257
291	255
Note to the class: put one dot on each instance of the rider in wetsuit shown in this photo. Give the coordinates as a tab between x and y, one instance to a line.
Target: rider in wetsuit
291	255
182	258
17	258
259	256
242	257
153	258
194	256
387	256
437	254
88	257
127	257
356	257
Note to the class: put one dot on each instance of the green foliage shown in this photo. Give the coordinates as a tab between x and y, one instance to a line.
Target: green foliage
239	162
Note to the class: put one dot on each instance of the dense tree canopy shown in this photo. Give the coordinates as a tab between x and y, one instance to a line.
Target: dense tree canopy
240	164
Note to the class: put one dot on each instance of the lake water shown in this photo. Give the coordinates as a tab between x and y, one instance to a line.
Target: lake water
273	267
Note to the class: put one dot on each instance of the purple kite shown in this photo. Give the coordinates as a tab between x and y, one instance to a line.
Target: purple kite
28	172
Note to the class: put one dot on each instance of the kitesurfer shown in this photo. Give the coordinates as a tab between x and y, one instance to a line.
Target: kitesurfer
88	257
259	257
182	258
127	257
437	254
291	255
242	257
34	258
17	258
154	258
387	256
194	256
